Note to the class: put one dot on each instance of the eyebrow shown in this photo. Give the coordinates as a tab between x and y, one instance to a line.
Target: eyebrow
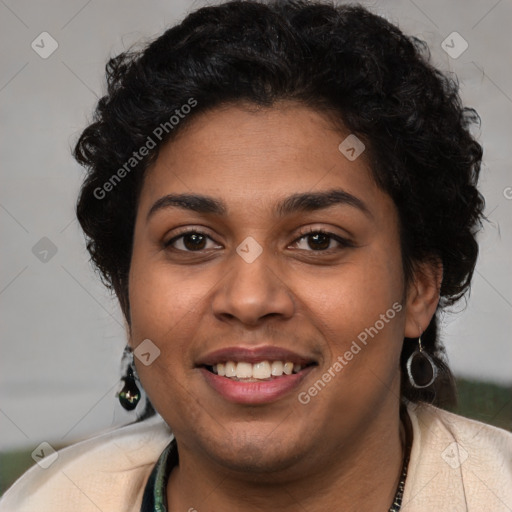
300	202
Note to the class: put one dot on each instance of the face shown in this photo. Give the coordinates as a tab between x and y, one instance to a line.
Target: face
288	261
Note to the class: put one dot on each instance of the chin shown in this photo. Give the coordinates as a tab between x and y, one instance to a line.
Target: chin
256	454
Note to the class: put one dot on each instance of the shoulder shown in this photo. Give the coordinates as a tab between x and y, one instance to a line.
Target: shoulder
106	472
483	443
459	460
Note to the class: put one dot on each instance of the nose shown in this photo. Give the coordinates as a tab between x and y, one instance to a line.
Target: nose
252	291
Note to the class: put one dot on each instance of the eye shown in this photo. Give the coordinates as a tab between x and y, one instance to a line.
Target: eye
190	241
319	240
316	240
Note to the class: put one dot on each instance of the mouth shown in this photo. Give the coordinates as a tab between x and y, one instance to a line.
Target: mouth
254	376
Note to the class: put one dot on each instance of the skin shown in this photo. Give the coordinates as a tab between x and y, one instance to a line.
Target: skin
330	453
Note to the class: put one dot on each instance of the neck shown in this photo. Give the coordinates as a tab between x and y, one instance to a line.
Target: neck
361	474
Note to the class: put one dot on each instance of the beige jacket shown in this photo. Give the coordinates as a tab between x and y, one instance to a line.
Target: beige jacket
456	465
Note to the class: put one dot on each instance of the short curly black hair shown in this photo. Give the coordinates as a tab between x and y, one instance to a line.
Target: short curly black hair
342	60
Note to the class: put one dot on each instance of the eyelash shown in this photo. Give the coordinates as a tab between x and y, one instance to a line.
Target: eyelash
343	242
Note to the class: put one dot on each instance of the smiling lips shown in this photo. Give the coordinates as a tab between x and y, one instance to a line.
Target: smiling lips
259	371
254	376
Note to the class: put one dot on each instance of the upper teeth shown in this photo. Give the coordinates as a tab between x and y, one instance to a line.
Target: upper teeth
261	370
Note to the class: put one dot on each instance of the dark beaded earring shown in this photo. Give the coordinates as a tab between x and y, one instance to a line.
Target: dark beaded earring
129	396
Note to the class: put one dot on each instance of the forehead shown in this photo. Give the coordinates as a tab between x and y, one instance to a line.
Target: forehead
252	156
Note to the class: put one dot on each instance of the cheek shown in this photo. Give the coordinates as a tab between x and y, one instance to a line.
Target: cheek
359	312
168	306
163	300
353	297
159	305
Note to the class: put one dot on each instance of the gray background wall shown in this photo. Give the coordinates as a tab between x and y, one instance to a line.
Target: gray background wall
62	335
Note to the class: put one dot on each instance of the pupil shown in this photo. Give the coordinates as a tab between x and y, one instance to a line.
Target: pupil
321	241
194	241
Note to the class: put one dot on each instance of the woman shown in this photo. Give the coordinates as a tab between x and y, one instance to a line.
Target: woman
283	198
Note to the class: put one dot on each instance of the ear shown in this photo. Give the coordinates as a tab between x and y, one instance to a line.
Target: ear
422	297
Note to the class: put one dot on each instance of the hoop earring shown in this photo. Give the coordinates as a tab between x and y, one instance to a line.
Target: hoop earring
129	396
423	365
